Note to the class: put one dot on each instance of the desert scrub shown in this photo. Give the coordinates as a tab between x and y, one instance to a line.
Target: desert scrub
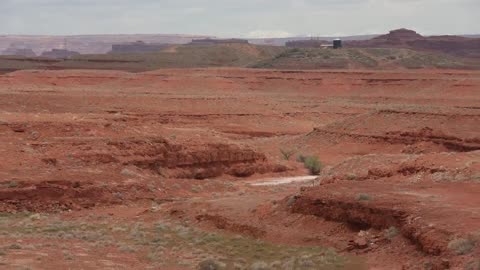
156	240
14	246
462	246
391	233
126	248
380	52
301	158
473	265
11	184
363	197
359	57
196	189
210	264
67	256
286	154
313	165
245	251
351	176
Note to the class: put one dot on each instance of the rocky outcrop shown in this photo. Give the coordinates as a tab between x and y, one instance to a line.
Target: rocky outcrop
409	39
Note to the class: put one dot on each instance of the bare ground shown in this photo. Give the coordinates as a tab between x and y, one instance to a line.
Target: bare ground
167	169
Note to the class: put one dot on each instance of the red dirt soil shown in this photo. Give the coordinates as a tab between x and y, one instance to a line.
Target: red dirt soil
401	150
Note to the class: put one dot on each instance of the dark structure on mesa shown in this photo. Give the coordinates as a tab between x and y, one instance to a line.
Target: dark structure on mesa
337	43
210	41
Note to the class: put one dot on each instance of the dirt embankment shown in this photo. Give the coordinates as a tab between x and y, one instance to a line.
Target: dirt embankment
416	136
423	214
53	196
65	170
420	197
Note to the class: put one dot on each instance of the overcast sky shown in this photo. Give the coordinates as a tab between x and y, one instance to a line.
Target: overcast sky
243	18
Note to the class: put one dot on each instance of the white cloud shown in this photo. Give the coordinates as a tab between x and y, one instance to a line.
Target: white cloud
272	18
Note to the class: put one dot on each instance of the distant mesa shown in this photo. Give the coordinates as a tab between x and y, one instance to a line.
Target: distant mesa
409	39
60	54
400	34
88	44
19	52
211	41
314	43
138	47
395	38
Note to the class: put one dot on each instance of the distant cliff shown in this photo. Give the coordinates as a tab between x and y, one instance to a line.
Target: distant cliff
59	54
409	39
138	47
86	44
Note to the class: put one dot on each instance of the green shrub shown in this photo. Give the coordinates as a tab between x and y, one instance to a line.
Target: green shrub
313	165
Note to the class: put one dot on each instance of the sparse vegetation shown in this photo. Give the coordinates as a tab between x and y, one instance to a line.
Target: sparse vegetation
313	165
14	246
196	189
210	264
155	240
126	248
461	246
291	201
473	265
286	154
391	232
351	176
360	58
67	256
12	184
301	158
260	265
315	58
363	197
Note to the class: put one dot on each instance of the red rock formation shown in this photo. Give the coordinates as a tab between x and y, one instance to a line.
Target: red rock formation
409	39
